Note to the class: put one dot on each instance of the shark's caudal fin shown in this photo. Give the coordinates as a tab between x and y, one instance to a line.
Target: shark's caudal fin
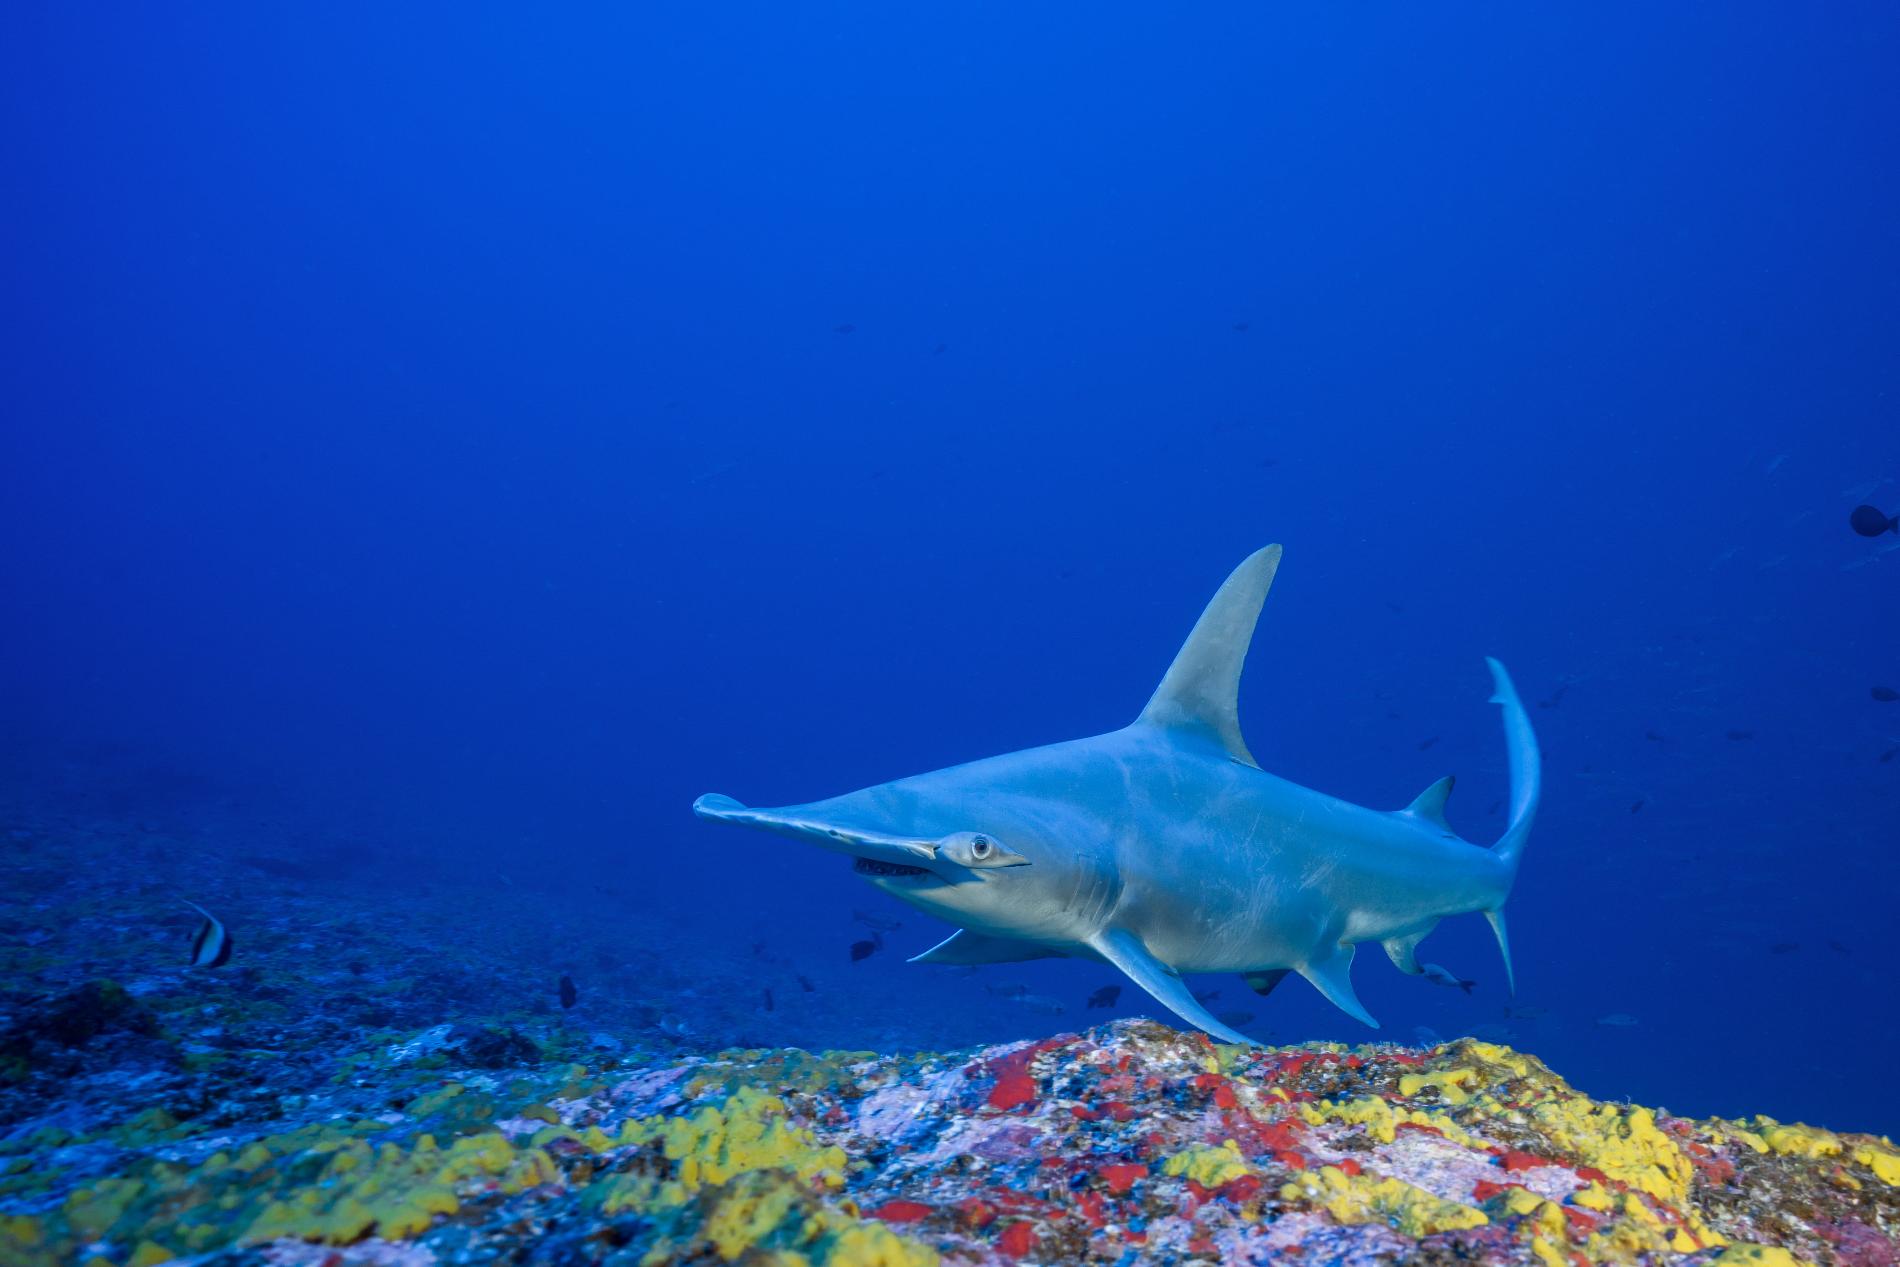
1202	688
1526	789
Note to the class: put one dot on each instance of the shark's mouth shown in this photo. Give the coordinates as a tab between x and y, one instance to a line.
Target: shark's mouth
873	866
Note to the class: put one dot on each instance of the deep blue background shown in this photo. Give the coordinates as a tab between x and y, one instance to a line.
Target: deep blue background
443	417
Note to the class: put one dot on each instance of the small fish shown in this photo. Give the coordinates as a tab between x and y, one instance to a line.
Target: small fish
1739	735
1617	1020
1525	1012
570	995
1889	755
1106	996
862	950
1210	996
1493	811
1556	697
1653	737
940	349
804	983
876	923
1784	948
1243	326
768	998
1236	1019
1871	521
211	944
1885	694
1423	744
1637	806
1006	991
846	328
1041	1003
1837	948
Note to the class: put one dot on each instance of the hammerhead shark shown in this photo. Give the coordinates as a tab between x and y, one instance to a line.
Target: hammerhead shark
1163	848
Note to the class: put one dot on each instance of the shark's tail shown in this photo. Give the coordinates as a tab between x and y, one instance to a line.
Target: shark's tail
1526	788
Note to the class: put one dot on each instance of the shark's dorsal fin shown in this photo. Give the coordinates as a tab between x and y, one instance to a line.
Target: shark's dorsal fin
1202	688
1430	804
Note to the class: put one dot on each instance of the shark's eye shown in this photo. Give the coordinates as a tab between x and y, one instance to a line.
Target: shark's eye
980	847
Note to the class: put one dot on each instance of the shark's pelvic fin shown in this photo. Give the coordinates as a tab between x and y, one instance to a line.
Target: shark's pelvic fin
1125	951
1401	950
1202	688
1262	983
964	947
1332	977
1430	805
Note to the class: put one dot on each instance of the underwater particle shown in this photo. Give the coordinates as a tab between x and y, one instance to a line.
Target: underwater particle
570	995
211	943
1871	521
1106	996
1885	694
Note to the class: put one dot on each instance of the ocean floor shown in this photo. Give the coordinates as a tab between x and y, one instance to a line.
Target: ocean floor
380	1078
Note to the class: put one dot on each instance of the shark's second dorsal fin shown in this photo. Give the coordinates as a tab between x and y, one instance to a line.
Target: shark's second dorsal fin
1202	688
1430	804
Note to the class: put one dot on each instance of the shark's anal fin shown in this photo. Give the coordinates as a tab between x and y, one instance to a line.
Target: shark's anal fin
1201	691
1332	977
1262	983
1401	951
965	947
1123	949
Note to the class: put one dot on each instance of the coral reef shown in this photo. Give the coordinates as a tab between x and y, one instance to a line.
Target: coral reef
1133	1142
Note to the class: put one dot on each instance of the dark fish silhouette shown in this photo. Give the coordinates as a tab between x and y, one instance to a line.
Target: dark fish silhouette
1423	744
804	983
1653	737
940	349
862	950
1637	808
1739	735
876	923
846	328
1889	754
1236	1019
1556	697
1871	521
211	944
569	994
1784	948
1106	996
1242	326
1885	694
768	998
358	967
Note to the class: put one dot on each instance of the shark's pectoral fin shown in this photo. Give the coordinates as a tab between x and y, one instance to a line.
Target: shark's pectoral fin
1332	977
1125	951
965	947
1262	983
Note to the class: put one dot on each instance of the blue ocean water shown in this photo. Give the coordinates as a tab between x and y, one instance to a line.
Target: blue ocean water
477	432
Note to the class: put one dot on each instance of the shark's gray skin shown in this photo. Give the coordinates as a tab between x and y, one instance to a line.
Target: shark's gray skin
1163	848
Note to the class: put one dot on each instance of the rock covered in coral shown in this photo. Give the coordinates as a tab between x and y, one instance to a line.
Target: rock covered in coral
1130	1143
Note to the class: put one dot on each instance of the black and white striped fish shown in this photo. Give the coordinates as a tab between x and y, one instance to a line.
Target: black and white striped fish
211	944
